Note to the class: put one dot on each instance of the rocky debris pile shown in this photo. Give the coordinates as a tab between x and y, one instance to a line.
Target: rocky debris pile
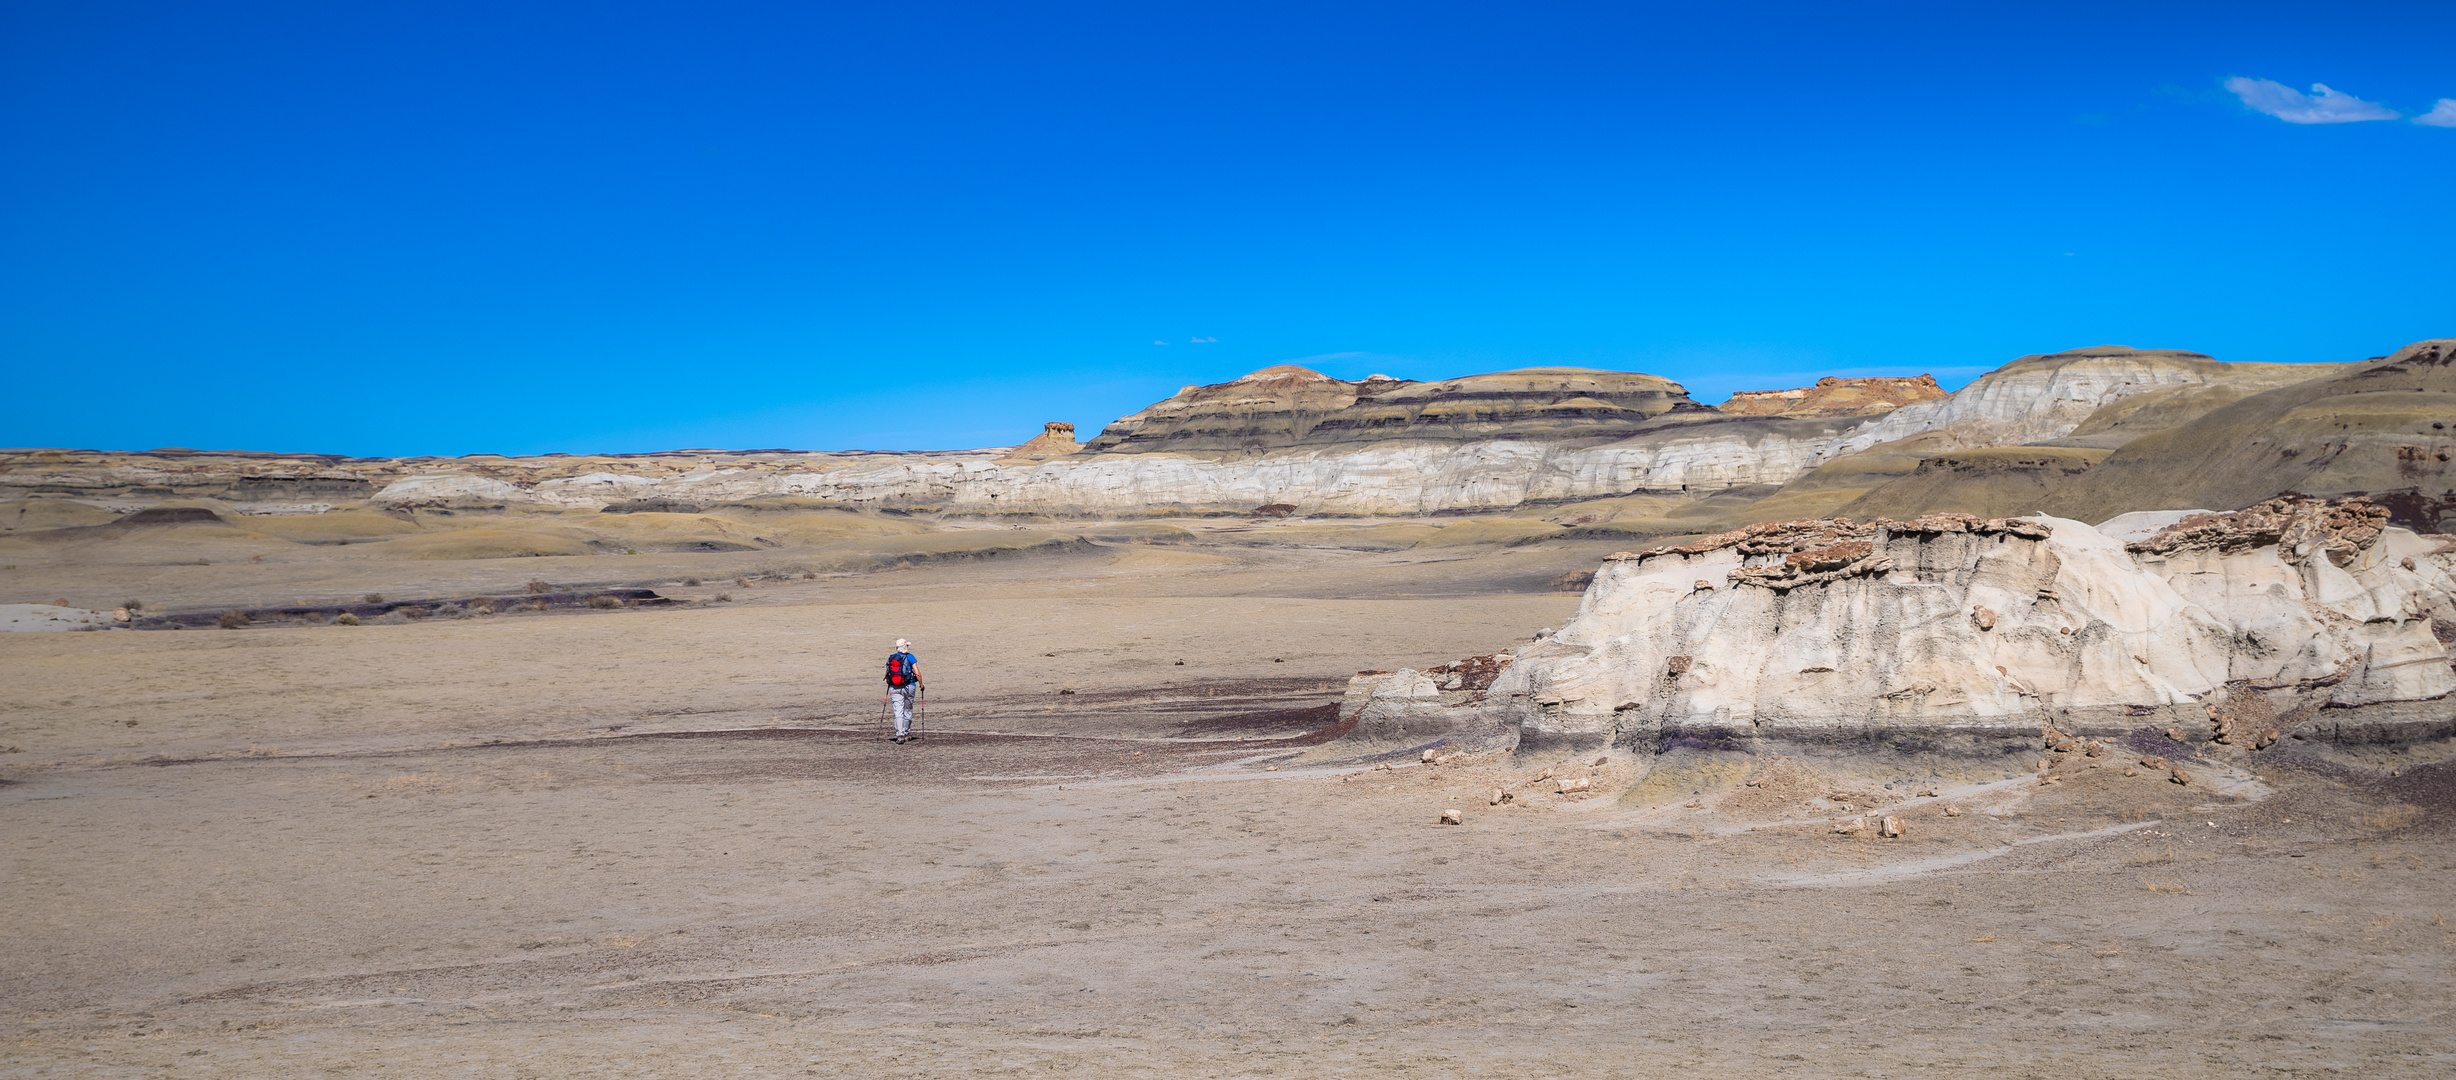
2296	525
1784	555
1833	396
1474	674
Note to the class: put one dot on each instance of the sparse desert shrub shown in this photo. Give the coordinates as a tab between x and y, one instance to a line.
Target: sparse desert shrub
1573	581
692	582
482	606
631	551
345	619
2391	818
810	575
741	581
414	612
724	598
601	600
60	602
133	604
537	587
373	598
537	605
448	611
230	620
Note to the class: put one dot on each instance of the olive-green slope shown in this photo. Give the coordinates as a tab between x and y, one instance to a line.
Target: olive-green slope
2387	428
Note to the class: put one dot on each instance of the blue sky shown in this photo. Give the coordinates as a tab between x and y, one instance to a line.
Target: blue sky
451	228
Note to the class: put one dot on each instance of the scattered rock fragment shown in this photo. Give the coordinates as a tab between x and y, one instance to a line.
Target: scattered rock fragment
1500	795
2265	739
1891	826
1453	816
2154	762
2176	734
1853	827
1952	811
2180	777
2129	771
1984	617
1567	786
1432	757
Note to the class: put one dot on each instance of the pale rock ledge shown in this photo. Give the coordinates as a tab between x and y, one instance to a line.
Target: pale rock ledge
1966	634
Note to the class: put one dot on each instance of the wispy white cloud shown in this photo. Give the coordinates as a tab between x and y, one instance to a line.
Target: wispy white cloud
2440	115
2321	106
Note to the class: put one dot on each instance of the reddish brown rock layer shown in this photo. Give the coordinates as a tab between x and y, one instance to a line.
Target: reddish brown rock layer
1832	397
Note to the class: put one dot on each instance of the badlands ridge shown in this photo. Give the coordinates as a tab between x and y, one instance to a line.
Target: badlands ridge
2098	541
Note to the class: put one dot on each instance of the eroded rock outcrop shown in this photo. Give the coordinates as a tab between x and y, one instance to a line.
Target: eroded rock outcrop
1832	396
1957	632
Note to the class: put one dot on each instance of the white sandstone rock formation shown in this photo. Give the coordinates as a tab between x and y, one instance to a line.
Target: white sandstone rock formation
1953	632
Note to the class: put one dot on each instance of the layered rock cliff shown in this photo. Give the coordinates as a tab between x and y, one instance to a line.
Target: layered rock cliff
1960	632
1833	396
1282	436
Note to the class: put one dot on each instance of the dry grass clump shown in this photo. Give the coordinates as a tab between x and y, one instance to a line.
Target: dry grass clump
133	604
345	619
692	582
724	598
2391	818
59	602
603	601
482	606
373	598
231	620
539	586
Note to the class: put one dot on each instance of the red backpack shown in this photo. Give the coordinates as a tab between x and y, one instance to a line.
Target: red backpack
899	669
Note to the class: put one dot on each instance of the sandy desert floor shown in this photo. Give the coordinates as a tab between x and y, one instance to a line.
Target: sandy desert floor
670	841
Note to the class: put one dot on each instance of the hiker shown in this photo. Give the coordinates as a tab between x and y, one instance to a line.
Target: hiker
903	685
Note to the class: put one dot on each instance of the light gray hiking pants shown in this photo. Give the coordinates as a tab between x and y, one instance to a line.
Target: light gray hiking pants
901	698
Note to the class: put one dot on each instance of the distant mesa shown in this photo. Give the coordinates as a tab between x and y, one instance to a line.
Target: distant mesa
1287	406
1056	439
1832	397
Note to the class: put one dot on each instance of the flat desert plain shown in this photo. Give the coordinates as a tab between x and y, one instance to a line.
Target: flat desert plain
672	841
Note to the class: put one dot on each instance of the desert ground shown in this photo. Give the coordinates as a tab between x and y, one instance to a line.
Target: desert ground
670	839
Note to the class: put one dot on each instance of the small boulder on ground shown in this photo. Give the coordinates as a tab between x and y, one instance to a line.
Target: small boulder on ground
1453	817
